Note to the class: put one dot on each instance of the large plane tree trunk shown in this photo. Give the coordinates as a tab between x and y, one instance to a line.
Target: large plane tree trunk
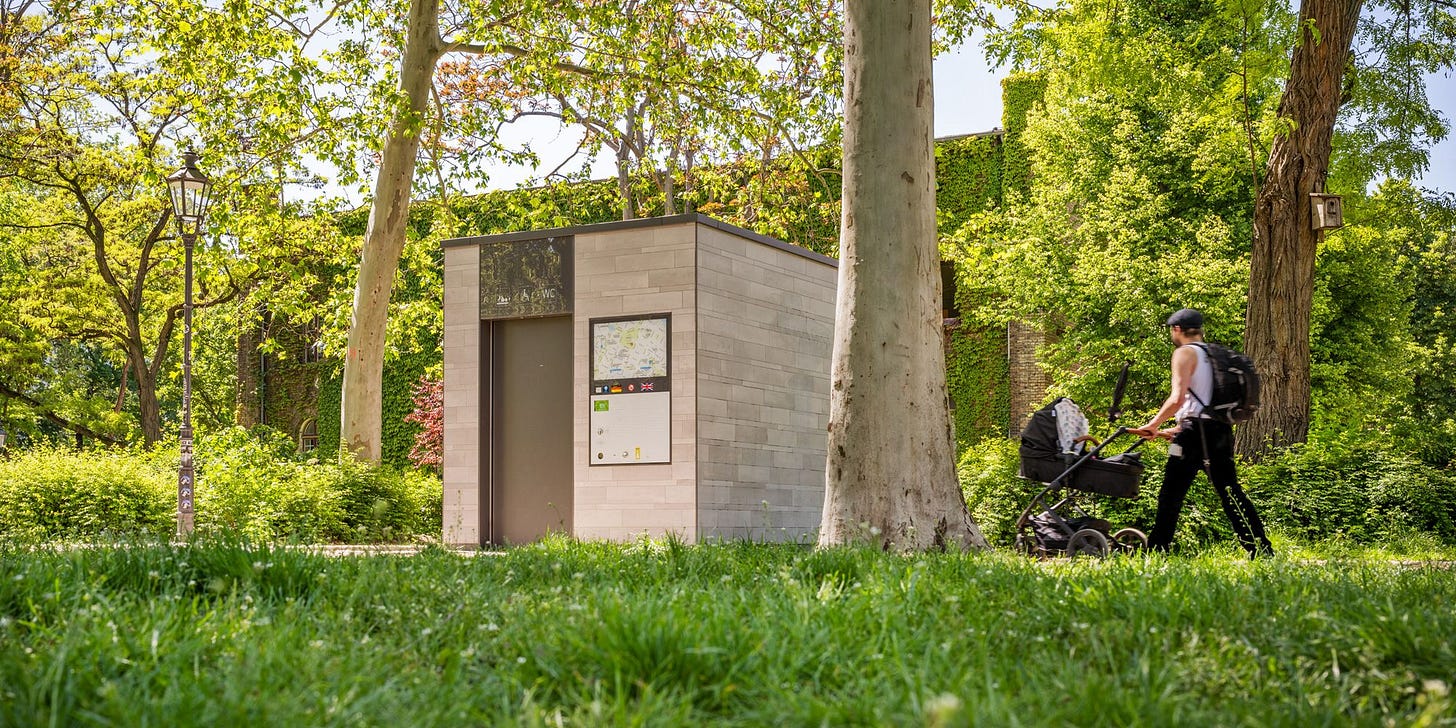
891	475
360	427
1281	274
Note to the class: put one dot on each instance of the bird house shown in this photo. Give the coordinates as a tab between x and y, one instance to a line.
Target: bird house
1327	212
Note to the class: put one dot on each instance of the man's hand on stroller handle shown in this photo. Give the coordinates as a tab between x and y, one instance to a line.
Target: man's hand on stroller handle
1149	433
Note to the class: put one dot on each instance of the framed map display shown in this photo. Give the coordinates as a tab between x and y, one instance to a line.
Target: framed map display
631	412
526	278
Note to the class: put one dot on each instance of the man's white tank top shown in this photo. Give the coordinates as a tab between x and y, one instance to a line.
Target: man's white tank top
1202	385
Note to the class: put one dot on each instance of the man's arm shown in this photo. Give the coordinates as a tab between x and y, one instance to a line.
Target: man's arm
1185	361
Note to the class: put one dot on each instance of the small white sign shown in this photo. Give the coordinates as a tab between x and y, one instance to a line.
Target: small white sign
631	429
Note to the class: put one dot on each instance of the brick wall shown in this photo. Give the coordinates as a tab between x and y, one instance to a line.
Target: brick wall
1029	382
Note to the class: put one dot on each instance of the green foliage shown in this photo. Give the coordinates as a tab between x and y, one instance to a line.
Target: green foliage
665	634
976	377
1021	93
967	178
250	484
1361	348
994	494
384	504
54	494
401	371
1353	487
330	401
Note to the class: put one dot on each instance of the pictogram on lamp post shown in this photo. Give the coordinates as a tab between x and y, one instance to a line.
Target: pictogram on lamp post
190	194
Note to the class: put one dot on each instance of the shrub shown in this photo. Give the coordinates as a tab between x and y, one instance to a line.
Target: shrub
48	494
251	484
429	414
384	504
254	484
994	493
1349	487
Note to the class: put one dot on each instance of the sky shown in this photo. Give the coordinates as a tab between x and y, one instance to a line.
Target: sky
967	100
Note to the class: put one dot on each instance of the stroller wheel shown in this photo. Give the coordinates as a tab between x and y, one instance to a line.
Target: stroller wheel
1130	539
1025	544
1088	542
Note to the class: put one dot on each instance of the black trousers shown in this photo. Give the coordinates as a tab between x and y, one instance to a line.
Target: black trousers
1179	475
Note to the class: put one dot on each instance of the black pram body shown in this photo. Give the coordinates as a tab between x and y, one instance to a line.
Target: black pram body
1054	522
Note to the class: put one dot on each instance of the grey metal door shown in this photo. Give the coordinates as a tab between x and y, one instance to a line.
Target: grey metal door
531	440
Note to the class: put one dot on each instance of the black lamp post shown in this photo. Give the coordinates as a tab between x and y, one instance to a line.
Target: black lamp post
190	192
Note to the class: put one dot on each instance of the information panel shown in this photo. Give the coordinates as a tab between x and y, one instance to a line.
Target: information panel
631	400
627	429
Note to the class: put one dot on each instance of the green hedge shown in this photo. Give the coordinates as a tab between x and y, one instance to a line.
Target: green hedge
250	484
1359	490
48	494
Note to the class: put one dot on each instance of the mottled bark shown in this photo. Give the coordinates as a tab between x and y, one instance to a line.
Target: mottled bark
361	426
1281	275
890	478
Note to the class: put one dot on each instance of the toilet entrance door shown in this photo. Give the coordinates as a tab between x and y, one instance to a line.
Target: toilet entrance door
530	481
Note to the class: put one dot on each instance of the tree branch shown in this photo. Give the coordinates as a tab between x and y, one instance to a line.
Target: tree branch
45	412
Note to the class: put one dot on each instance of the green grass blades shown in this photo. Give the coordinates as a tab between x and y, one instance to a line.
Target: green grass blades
565	633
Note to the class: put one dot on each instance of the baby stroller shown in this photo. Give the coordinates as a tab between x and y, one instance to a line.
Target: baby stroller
1054	452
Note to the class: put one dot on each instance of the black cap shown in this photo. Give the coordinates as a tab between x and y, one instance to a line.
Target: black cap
1188	318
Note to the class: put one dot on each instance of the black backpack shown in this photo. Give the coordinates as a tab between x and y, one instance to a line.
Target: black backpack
1235	385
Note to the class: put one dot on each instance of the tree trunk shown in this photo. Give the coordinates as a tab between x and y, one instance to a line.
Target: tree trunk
1281	268
148	410
360	427
891	475
624	164
121	391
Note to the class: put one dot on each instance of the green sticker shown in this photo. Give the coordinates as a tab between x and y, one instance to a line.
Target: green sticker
599	405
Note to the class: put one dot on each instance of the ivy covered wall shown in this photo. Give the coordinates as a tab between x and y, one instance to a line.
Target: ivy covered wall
967	177
976	377
1020	93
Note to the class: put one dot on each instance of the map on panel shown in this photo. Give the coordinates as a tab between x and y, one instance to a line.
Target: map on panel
634	349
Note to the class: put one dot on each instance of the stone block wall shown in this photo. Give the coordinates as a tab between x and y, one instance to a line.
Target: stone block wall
639	270
766	318
463	371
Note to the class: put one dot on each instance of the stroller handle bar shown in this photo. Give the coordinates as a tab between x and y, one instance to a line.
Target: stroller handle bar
1094	452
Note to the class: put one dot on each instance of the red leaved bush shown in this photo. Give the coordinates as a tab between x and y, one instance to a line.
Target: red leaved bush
429	414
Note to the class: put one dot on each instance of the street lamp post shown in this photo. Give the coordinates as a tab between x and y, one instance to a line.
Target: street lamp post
190	192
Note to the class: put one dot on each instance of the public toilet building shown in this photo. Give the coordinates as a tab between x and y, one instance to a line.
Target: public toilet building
659	376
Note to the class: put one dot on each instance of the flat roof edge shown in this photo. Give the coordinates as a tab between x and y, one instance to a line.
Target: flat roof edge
646	222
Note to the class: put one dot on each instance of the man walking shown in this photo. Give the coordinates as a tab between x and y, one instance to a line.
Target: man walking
1198	443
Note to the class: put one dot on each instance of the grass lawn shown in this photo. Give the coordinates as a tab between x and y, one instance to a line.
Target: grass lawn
653	634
